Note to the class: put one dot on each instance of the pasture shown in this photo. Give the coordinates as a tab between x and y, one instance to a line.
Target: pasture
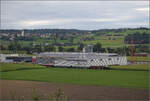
138	58
134	67
115	78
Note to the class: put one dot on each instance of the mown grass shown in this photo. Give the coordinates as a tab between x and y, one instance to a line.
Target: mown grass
120	78
138	58
135	67
106	41
4	67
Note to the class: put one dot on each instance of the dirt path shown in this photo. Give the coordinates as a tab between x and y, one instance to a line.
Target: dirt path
74	92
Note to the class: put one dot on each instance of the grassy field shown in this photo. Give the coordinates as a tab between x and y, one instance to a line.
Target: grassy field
108	41
135	67
120	78
138	58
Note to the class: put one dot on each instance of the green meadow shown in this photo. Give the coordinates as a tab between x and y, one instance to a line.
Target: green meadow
138	58
134	67
130	78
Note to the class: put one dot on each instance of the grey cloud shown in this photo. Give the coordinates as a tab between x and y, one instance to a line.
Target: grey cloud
15	12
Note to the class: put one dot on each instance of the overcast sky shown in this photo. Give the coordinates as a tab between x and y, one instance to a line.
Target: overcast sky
74	14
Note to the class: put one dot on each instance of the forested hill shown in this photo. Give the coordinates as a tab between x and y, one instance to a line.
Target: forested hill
67	31
43	31
121	29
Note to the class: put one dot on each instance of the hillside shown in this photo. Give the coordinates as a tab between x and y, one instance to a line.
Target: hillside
67	39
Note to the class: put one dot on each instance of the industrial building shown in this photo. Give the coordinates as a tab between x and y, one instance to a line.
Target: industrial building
85	59
7	58
75	59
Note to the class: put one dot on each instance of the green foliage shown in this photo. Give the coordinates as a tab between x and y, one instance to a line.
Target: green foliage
49	48
71	50
60	49
138	38
141	48
35	95
59	95
97	47
80	47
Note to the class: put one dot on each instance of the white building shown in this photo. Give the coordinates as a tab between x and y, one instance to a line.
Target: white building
22	33
3	57
75	59
88	48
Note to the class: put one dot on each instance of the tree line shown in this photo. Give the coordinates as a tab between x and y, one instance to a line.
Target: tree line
137	38
65	31
31	48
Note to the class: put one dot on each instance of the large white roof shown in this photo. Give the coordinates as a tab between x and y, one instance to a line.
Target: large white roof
76	55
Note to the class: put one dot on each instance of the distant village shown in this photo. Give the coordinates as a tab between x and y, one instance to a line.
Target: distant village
12	36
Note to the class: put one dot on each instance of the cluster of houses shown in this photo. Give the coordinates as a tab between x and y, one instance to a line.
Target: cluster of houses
12	36
27	34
